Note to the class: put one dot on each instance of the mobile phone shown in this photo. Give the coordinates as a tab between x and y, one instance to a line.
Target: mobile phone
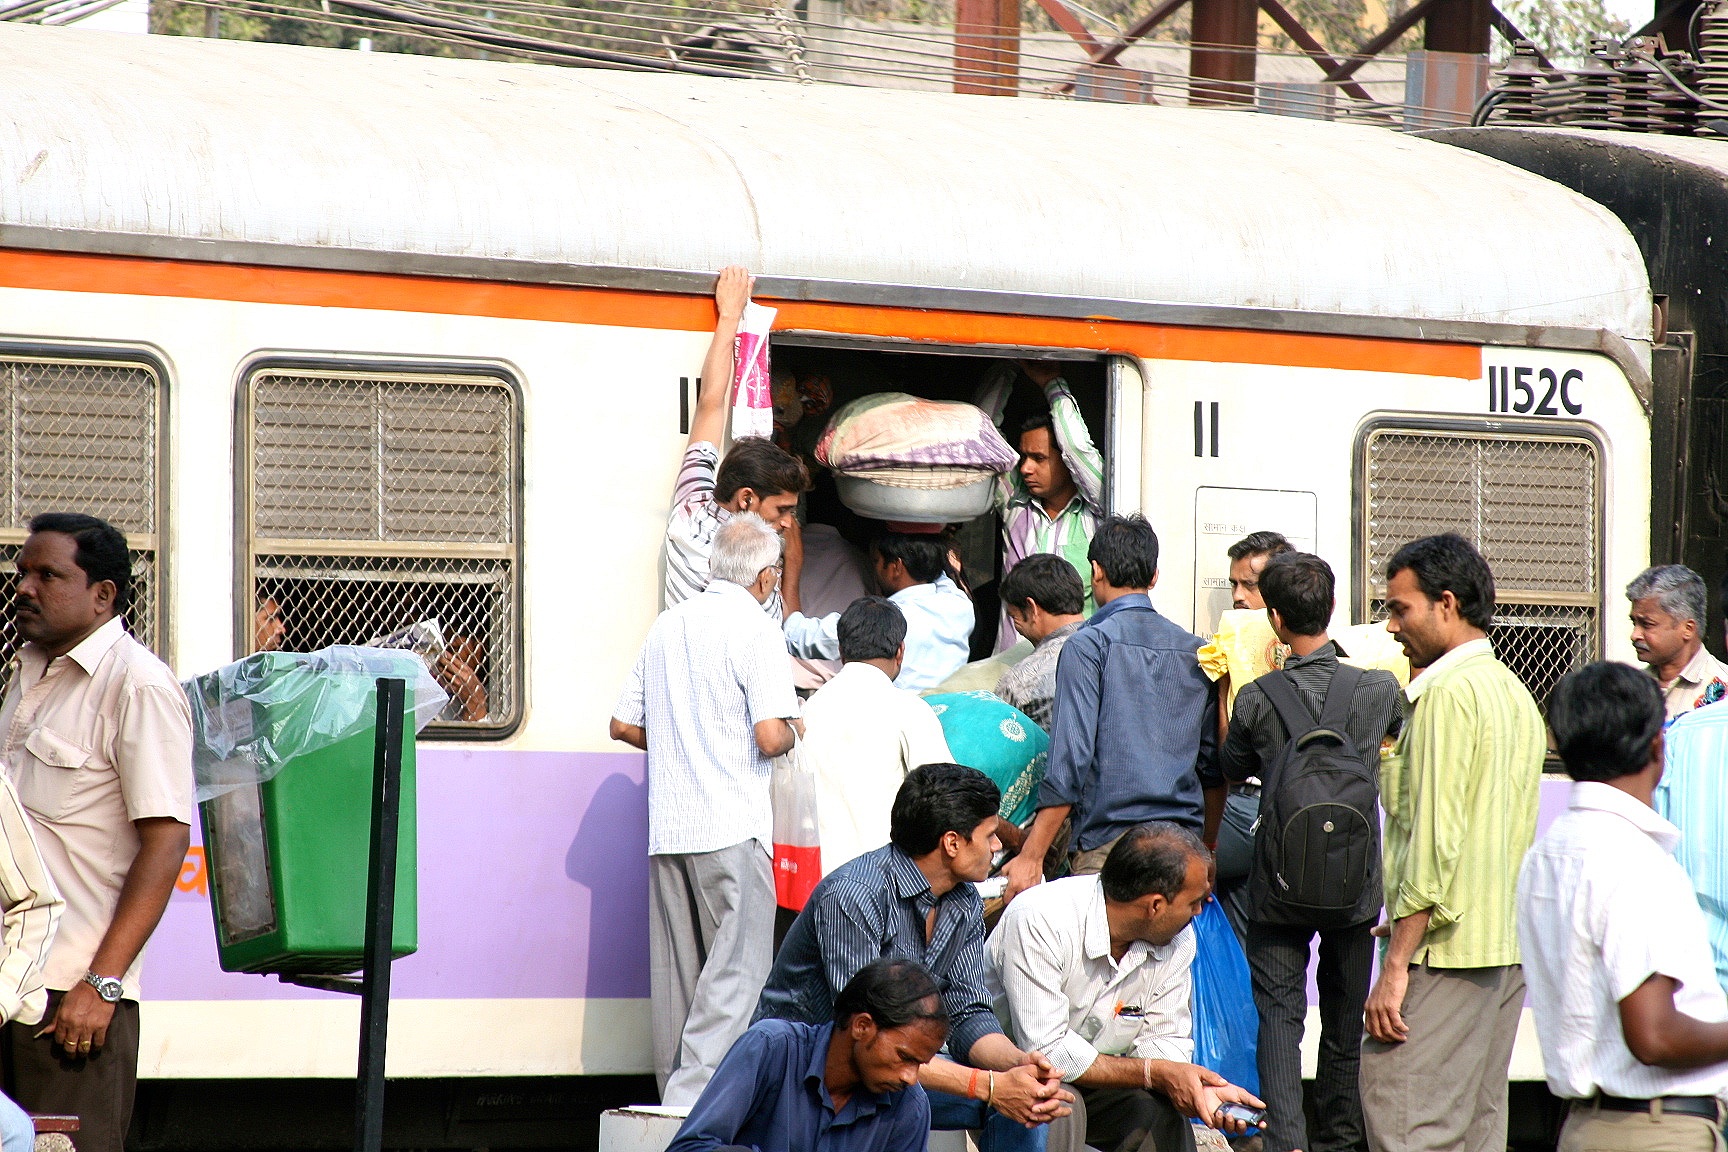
1253	1117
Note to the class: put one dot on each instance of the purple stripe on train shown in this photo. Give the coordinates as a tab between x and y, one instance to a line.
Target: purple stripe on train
533	883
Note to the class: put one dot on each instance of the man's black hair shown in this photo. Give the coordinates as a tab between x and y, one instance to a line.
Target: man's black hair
1047	580
1605	716
924	553
763	467
1151	857
101	550
936	799
1449	563
1126	548
1039	420
1258	543
1300	586
871	628
893	993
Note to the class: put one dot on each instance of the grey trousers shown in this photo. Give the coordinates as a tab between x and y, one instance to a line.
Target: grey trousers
710	946
1121	1120
1444	1089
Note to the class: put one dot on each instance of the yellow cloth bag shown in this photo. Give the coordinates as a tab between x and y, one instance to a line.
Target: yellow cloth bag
1245	648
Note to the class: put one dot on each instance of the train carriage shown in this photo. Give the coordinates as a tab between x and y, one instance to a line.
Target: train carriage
377	338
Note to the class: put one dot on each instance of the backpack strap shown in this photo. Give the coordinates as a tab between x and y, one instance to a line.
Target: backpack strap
1340	696
1291	708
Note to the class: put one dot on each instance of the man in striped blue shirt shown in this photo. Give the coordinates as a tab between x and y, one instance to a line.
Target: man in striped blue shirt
914	899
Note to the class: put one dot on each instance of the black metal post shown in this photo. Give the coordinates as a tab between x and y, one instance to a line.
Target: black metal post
380	917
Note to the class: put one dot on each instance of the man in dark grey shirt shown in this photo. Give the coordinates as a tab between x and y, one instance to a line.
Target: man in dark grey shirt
1298	590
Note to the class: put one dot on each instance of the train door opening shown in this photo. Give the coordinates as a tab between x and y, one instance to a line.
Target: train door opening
817	376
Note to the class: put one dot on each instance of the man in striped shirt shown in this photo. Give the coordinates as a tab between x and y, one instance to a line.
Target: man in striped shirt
1460	791
1052	502
756	476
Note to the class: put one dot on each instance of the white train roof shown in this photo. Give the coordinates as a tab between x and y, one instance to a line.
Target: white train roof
155	136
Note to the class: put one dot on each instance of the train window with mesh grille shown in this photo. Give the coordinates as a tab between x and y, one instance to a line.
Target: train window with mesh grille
1530	502
83	435
383	508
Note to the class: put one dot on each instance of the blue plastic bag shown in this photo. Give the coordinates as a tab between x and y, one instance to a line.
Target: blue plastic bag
1226	1024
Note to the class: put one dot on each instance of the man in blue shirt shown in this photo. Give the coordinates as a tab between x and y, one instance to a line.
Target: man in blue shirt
848	1086
911	569
1693	795
1134	732
914	899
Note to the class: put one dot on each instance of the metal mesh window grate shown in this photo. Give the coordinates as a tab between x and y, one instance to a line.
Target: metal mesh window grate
1529	502
81	436
385	508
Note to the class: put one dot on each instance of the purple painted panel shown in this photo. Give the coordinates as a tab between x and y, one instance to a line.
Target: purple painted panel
533	883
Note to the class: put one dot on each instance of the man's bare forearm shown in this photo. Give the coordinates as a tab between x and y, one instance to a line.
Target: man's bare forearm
144	896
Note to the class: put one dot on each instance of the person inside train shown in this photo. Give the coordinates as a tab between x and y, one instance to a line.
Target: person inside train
913	568
757	475
1053	501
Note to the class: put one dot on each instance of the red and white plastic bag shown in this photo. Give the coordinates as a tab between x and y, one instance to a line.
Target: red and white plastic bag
797	851
752	389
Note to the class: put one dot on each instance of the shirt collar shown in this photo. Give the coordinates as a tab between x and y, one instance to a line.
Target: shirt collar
865	675
1590	795
909	882
919	591
1698	669
1061	633
89	651
727	588
1327	651
1466	651
1131	600
862	1102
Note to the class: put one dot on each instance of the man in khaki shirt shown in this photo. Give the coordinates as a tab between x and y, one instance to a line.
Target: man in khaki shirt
97	738
1669	605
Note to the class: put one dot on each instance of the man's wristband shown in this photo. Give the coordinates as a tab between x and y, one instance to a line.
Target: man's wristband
1148	1067
991	1099
972	1085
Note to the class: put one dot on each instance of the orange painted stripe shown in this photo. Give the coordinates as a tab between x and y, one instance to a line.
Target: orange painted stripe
133	276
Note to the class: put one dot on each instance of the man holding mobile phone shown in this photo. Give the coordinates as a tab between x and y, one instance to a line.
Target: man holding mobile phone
1095	970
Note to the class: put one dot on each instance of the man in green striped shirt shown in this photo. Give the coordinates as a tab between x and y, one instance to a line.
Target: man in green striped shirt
1460	791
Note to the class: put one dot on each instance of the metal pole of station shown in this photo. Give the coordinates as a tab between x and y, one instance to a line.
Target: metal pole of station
380	917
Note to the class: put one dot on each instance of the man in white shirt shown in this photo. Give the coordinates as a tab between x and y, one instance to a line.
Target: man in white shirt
711	701
1633	1025
98	742
862	734
912	571
1095	971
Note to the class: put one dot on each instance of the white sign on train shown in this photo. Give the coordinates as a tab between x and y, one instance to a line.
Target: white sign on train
1533	384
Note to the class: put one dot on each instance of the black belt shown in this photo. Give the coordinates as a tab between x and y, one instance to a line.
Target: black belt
1704	1106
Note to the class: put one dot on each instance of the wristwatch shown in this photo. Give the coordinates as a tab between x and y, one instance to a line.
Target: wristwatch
106	986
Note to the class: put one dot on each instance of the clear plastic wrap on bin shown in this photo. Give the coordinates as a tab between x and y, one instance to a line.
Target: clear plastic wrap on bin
250	718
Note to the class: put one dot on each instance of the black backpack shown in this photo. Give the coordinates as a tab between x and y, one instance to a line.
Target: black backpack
1317	842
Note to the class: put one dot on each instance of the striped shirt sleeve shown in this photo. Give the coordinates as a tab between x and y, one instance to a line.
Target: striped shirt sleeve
32	914
1084	460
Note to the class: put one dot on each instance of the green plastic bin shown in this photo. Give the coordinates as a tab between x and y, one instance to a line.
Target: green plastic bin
287	856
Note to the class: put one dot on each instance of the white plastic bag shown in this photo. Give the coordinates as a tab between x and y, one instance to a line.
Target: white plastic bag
797	850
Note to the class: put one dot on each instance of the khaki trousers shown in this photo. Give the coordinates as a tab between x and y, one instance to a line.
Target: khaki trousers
1444	1089
1589	1129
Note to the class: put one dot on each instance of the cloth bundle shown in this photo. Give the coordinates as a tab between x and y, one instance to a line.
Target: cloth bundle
908	442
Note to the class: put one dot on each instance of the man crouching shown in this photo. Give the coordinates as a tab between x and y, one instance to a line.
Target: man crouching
848	1086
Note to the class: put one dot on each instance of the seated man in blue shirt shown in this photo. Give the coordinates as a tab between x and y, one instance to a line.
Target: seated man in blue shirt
1134	733
914	899
912	571
848	1086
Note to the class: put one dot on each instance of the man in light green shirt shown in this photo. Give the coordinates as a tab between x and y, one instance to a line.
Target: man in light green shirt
1460	792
